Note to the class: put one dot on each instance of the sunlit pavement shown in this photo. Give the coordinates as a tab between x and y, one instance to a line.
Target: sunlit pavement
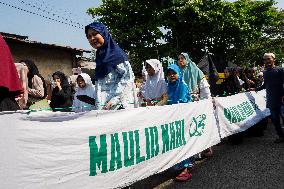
256	163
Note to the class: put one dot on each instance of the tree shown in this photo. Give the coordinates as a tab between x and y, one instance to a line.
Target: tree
271	40
134	25
227	29
239	31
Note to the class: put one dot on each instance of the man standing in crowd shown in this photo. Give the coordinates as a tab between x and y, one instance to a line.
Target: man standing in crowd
273	83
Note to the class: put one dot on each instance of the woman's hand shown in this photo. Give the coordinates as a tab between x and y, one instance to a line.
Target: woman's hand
58	84
107	106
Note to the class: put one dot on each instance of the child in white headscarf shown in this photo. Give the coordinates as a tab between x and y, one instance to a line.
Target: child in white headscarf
155	89
85	87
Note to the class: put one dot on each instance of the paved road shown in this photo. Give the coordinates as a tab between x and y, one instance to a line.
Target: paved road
257	163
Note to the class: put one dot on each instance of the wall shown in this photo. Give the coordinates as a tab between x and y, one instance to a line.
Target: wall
48	60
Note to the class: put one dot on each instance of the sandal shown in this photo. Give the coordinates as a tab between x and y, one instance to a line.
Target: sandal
183	177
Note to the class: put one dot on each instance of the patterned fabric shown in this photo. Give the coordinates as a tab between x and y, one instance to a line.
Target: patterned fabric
37	89
117	87
36	93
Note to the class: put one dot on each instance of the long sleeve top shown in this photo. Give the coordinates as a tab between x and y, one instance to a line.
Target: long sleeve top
37	89
273	83
117	87
36	92
79	106
61	99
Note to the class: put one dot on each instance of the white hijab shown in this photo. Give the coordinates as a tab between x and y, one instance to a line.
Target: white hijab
155	86
88	90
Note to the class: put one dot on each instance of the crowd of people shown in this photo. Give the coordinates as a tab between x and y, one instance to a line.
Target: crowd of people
114	85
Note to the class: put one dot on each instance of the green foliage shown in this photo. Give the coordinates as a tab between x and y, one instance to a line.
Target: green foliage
239	31
134	25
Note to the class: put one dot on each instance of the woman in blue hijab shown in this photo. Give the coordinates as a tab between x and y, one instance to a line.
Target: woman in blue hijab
177	89
114	78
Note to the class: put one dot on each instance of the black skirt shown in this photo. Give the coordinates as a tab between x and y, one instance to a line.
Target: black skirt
7	101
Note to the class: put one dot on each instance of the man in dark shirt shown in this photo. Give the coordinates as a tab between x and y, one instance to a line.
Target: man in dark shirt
273	83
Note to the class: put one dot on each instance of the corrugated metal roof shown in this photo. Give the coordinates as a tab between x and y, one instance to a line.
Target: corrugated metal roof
24	39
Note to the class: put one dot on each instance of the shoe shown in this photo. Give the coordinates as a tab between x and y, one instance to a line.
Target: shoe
279	140
183	177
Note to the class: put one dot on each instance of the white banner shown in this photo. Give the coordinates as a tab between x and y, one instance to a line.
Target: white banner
101	149
239	112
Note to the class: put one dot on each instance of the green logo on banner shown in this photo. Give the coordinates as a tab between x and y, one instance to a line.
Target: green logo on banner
240	112
197	125
112	152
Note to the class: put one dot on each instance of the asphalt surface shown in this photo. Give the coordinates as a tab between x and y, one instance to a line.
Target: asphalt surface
256	163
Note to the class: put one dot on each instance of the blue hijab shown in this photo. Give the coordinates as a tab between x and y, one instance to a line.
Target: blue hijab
178	91
109	55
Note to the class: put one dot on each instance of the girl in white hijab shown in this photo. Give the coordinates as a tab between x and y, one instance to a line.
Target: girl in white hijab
155	89
85	87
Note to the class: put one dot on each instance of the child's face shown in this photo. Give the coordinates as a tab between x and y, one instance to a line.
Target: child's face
181	61
150	70
172	76
81	82
95	38
138	84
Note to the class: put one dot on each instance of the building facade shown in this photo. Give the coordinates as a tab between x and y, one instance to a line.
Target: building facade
48	57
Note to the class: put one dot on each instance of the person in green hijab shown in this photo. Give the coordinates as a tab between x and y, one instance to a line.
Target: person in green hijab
198	85
193	76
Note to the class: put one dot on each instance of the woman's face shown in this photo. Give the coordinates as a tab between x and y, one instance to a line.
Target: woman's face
149	69
181	61
172	76
226	73
95	38
56	78
81	82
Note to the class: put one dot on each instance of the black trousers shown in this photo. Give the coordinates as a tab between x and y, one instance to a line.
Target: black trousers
275	116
